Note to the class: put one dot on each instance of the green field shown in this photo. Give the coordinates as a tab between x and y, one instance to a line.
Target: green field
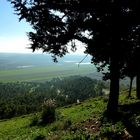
44	73
38	67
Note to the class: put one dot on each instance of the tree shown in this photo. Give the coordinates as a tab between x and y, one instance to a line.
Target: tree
135	37
131	68
103	26
130	72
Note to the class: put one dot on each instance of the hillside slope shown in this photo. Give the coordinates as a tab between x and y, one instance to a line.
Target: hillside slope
78	121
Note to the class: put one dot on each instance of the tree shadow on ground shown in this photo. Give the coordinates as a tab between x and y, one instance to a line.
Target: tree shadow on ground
130	116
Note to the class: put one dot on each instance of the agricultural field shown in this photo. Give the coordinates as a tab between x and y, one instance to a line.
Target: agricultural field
23	67
43	73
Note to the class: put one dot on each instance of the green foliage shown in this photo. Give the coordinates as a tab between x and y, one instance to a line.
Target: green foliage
34	120
48	111
65	124
27	97
68	124
112	130
78	136
76	121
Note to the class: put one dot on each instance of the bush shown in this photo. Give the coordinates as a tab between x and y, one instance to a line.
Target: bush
48	111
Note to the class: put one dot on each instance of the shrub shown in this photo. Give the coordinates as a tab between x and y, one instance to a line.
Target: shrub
48	111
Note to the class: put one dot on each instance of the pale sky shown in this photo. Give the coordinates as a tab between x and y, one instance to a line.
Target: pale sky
13	37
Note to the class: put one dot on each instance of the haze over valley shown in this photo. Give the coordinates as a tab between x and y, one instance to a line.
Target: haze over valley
40	67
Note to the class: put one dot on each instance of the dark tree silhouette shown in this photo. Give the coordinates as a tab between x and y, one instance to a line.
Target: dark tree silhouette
136	44
130	72
103	26
131	68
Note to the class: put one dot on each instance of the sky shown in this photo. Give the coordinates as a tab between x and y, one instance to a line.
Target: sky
13	34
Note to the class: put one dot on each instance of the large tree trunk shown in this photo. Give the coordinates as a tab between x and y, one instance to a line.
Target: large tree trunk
130	87
112	107
138	85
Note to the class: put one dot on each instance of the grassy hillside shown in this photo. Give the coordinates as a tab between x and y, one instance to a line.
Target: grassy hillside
69	119
79	121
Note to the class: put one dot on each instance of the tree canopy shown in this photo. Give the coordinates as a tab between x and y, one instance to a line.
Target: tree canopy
105	27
